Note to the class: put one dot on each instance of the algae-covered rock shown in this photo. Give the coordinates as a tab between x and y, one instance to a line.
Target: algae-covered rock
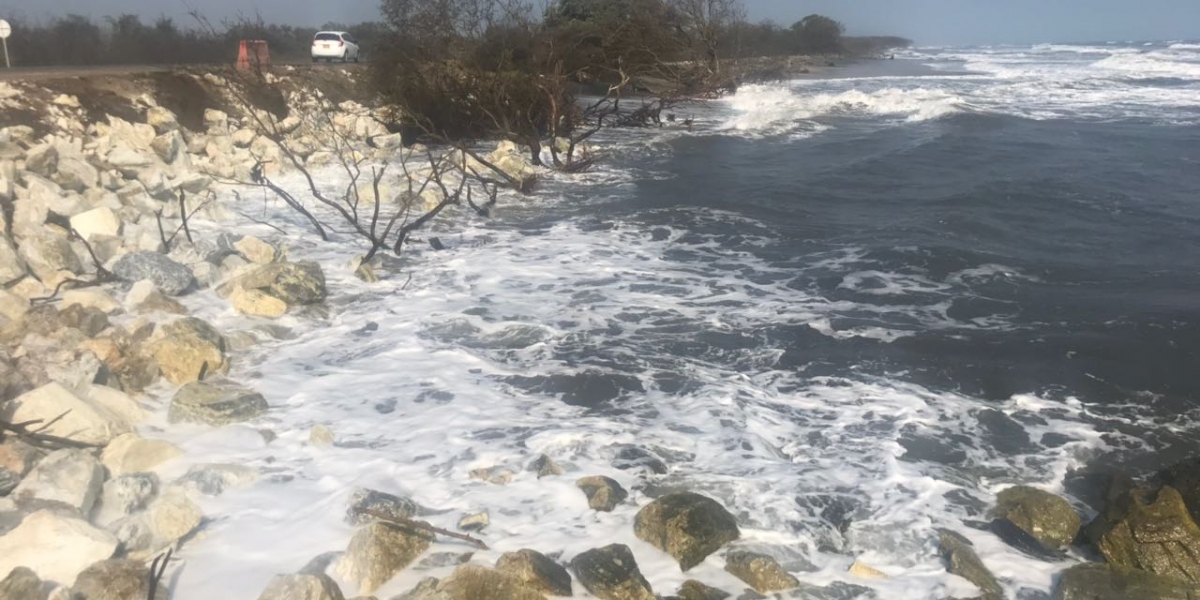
964	562
611	573
1152	531
760	572
1046	517
537	571
1095	581
687	526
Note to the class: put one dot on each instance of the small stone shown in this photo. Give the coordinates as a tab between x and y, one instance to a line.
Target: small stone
537	571
687	526
364	501
1047	518
123	496
694	590
131	453
304	586
55	546
603	493
256	303
544	466
496	475
321	436
69	477
760	572
475	522
22	584
167	275
115	580
216	402
378	552
214	479
865	571
189	348
964	562
611	573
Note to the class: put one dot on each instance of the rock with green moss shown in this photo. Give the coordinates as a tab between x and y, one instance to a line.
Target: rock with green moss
612	573
1095	581
1047	518
1152	531
963	561
687	526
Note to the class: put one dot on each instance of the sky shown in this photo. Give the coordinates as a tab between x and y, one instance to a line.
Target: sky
929	22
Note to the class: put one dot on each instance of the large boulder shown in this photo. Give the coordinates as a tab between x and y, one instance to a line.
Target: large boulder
131	453
1150	530
1185	478
216	402
963	561
603	493
167	275
256	303
83	420
55	546
190	349
22	584
68	477
536	571
612	573
473	582
168	519
302	586
1094	581
296	283
378	552
116	580
687	526
760	572
1045	517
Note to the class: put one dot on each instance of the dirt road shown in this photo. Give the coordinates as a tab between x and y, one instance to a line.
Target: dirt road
62	72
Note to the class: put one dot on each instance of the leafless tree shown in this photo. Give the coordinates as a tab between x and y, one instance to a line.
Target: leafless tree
706	21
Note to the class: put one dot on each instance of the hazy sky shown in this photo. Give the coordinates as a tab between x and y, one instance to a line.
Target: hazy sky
927	21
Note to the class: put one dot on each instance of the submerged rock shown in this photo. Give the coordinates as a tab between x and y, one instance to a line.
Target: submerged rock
964	562
1152	531
216	402
611	573
214	479
189	350
304	586
687	526
603	493
544	466
537	571
55	546
1047	518
167	275
1093	581
378	552
760	572
694	590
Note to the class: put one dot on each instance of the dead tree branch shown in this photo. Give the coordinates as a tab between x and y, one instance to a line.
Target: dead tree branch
421	525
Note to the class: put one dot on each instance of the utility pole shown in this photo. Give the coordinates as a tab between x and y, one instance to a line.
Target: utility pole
5	31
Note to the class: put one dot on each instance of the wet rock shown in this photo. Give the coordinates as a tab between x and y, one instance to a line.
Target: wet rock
1093	581
166	275
1049	519
496	475
189	348
55	546
216	402
116	580
474	522
69	477
603	493
123	496
759	571
378	552
131	453
214	479
427	589
442	560
964	562
305	586
364	501
537	571
296	284
865	571
611	573
82	420
1152	531
632	457
472	582
687	526
22	584
544	466
168	519
694	590
1004	433
1185	478
320	435
256	303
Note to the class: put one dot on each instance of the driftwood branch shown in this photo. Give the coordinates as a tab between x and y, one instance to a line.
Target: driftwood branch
426	527
42	440
157	569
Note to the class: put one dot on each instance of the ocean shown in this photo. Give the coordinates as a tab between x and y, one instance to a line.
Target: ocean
850	308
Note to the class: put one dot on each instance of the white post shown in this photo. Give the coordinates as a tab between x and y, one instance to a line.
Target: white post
5	31
7	64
